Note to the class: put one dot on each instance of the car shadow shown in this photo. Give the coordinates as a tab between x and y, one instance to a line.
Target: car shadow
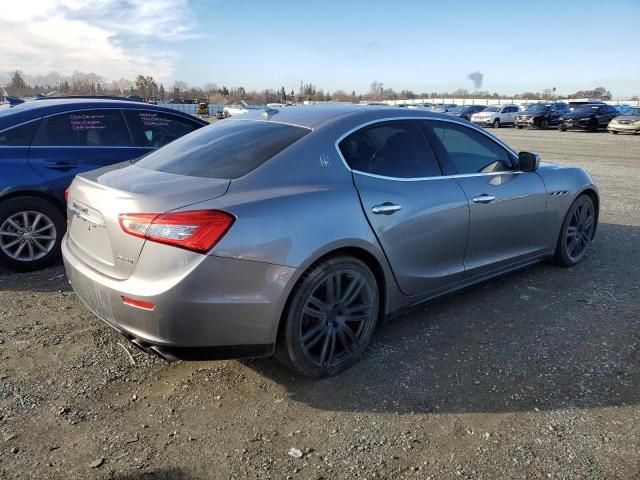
162	474
542	338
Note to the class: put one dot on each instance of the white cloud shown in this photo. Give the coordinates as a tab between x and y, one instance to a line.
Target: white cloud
112	38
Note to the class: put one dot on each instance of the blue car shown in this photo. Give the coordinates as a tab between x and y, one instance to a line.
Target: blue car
44	143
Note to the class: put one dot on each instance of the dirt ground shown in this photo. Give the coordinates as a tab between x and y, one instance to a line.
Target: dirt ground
534	375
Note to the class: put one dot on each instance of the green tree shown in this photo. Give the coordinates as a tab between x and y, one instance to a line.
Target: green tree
17	85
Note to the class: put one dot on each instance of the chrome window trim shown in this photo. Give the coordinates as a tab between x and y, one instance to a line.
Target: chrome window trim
416	179
19	125
421	179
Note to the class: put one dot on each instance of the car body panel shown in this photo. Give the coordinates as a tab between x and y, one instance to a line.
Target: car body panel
306	203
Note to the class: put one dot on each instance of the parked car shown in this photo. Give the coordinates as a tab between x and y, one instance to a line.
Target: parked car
627	123
542	115
45	143
443	107
465	111
589	117
496	115
214	246
231	110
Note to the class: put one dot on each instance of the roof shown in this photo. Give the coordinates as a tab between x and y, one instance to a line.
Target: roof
33	109
317	115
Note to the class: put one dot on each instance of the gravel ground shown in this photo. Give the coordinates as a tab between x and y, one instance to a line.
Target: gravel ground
534	375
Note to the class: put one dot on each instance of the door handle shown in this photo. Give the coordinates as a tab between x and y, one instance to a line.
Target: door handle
387	208
60	165
484	198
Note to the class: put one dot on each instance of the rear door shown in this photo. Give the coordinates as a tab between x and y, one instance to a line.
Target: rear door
507	207
420	218
74	142
153	129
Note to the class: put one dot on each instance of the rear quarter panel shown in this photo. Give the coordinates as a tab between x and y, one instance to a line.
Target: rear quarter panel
296	208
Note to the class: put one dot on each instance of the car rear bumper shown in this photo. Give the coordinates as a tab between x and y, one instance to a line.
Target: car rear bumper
223	308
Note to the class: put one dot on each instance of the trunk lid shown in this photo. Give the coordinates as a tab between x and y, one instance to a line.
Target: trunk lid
96	199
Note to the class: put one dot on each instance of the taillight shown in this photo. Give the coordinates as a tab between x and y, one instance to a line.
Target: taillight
197	230
66	195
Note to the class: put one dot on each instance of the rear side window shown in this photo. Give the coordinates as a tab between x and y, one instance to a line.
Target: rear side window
468	150
159	128
19	136
89	128
228	149
391	149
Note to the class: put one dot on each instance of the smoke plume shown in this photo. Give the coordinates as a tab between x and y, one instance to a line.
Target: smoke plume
476	77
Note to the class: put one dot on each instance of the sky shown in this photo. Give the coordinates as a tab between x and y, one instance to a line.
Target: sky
424	46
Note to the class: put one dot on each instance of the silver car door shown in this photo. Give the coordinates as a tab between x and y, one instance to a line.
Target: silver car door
507	207
420	218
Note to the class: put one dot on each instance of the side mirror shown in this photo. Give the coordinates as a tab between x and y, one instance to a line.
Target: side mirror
528	161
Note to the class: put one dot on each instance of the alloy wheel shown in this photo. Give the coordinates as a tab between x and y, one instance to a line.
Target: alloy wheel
337	316
27	236
579	231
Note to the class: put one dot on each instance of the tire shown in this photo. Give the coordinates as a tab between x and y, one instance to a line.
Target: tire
519	127
318	338
41	246
562	128
496	123
544	124
579	226
593	125
613	131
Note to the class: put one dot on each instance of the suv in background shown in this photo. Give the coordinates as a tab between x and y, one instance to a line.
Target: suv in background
496	115
45	143
542	115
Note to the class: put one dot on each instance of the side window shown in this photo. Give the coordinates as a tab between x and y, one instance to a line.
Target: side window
89	128
20	136
159	128
470	151
391	149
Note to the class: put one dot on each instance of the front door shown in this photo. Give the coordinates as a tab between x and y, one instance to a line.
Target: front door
507	207
420	218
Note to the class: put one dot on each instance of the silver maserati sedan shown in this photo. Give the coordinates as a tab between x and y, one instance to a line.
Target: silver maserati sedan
293	232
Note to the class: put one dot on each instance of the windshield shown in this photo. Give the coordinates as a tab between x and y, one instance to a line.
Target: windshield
455	110
493	108
538	107
633	111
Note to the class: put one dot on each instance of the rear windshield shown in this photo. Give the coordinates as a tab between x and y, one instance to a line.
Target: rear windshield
228	149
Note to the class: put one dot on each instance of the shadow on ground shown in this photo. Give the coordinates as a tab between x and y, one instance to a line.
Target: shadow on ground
164	474
545	337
